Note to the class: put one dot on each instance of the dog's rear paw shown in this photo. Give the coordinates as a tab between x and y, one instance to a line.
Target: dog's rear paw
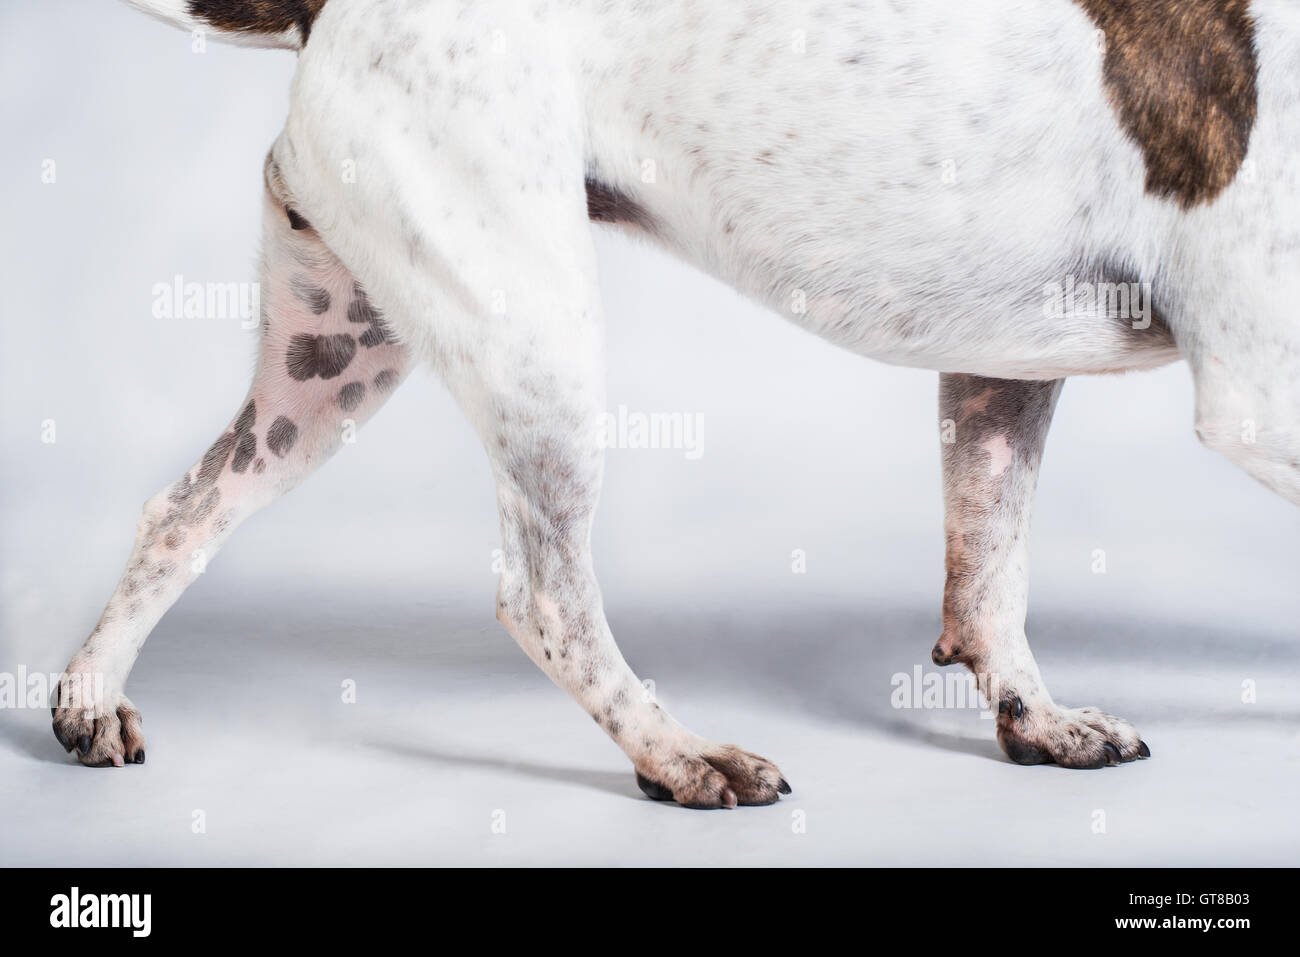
106	734
715	776
1073	738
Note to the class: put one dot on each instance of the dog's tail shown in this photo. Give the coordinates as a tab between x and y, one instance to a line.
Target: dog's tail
259	23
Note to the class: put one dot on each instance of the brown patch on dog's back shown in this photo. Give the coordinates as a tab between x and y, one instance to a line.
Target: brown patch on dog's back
1181	74
259	16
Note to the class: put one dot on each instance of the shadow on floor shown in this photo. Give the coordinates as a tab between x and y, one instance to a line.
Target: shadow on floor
832	662
621	783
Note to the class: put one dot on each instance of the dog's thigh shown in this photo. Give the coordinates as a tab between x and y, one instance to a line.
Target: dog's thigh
326	362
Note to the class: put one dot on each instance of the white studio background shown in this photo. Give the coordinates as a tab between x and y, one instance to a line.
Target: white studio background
379	567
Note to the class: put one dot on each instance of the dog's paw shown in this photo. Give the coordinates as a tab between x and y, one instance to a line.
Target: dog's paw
715	776
1073	738
105	734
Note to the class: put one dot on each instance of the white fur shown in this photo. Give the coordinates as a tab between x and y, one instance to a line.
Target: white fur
905	179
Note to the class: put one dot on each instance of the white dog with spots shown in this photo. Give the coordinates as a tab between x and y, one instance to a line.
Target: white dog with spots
1008	192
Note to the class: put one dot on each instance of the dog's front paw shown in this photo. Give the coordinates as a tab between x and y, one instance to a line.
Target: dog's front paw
714	776
103	731
1073	738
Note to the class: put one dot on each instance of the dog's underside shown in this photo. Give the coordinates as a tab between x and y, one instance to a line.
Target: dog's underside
917	182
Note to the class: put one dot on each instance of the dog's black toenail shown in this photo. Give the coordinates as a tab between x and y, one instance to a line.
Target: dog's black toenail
139	757
1011	706
84	745
1112	753
1143	750
784	786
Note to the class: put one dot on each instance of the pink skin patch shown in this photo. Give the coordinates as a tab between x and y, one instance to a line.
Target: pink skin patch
977	404
548	612
1000	454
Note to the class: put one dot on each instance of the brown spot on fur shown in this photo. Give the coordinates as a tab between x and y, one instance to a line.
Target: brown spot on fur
1181	74
246	418
350	395
360	309
214	460
376	335
324	356
281	436
206	507
182	491
259	16
607	205
314	297
245	449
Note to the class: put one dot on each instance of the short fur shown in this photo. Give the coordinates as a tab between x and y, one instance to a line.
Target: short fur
1181	74
964	187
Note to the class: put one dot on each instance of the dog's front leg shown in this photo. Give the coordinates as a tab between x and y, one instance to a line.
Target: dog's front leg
326	364
994	434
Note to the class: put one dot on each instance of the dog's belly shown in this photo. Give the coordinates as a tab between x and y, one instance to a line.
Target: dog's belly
919	183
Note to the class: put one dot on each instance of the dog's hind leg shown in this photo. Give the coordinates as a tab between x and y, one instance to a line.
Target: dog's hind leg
326	364
994	431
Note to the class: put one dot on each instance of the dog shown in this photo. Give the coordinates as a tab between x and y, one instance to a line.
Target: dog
1007	192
